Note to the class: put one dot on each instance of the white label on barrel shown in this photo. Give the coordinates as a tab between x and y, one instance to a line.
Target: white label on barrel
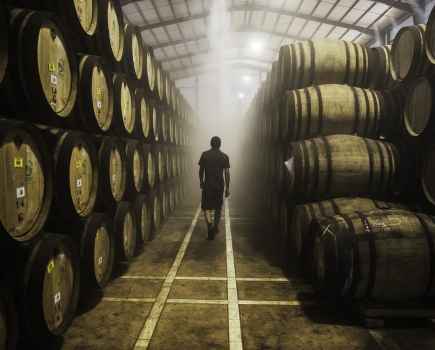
57	298
100	260
53	79
79	183
21	192
99	105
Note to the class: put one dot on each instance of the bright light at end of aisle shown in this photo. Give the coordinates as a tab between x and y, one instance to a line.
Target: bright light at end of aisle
241	95
256	46
247	78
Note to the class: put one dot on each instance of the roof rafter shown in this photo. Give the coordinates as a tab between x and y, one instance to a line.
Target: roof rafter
228	62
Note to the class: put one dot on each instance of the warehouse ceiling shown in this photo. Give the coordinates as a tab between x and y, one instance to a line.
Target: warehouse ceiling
179	30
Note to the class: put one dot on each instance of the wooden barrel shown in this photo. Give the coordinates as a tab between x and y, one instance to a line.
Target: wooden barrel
430	37
163	129
340	166
168	90
78	18
76	179
168	160
97	253
144	116
408	53
49	289
9	332
125	228
124	121
110	31
174	162
150	166
300	247
418	120
160	82
27	182
142	209
160	165
316	62
95	103
164	202
333	109
150	77
112	169
380	68
383	256
427	176
4	41
171	129
156	206
41	85
136	168
134	62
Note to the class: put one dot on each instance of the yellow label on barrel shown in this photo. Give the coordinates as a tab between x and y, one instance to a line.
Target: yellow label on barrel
18	163
50	266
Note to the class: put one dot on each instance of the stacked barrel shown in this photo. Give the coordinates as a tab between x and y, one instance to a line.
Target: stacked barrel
340	135
94	150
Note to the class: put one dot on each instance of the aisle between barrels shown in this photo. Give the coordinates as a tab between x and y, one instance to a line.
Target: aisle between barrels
184	292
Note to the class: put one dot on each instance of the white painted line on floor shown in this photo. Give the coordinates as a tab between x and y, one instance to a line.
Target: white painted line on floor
196	301
143	277
192	278
146	334
384	342
235	330
277	302
131	300
261	279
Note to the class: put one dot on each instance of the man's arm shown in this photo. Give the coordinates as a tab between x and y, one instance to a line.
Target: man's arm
227	182
201	176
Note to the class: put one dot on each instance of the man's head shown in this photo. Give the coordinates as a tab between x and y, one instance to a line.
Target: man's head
215	142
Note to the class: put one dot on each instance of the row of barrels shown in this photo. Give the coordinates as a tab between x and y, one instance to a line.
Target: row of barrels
66	175
95	28
56	90
360	248
48	278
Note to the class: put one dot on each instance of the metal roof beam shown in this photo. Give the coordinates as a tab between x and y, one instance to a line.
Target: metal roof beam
398	5
174	21
177	42
233	64
306	17
201	52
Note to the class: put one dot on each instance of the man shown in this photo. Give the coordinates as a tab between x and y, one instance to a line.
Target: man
212	167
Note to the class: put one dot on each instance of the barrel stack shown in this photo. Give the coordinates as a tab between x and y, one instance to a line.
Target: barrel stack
342	142
94	151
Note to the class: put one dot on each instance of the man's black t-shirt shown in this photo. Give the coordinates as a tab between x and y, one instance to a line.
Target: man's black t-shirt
214	162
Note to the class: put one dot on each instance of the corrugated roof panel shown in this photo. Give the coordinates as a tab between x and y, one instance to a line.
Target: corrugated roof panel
292	5
135	18
323	8
309	29
308	6
296	26
351	35
160	34
198	26
283	23
187	29
174	32
180	9
269	22
352	16
170	51
338	12
257	18
336	33
195	7
323	30
148	38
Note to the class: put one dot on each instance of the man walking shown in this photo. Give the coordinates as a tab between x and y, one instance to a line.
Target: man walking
213	165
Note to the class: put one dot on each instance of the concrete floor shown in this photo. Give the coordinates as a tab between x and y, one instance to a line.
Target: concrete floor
167	300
